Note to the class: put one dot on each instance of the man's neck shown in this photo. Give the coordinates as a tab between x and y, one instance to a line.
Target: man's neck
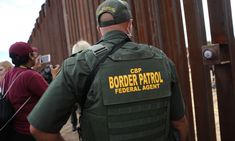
23	66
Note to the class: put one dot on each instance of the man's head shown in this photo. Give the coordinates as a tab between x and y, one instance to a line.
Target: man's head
4	67
22	53
80	46
114	15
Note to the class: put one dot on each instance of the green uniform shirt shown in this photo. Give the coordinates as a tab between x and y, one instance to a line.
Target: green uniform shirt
54	108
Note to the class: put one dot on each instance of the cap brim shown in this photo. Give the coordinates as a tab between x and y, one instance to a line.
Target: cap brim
35	49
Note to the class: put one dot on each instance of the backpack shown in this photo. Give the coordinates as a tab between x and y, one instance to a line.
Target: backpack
6	113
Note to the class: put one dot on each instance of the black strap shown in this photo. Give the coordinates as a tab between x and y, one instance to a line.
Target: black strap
94	71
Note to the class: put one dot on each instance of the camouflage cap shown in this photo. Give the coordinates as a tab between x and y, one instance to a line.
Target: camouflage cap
119	9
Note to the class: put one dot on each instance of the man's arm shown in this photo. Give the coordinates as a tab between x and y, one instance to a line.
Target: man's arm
44	136
181	127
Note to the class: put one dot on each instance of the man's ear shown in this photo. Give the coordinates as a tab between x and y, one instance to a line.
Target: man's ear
130	25
98	29
31	56
129	28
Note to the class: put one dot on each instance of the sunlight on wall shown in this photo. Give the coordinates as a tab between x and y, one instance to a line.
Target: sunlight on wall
206	19
184	24
233	13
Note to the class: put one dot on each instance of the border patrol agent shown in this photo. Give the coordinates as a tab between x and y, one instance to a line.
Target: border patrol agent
135	95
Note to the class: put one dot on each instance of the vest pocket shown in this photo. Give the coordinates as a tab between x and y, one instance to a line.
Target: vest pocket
139	121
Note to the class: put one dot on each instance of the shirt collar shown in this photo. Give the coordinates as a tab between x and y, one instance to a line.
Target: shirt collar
116	34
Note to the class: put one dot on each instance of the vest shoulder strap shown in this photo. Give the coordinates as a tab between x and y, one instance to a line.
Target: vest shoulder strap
95	69
98	49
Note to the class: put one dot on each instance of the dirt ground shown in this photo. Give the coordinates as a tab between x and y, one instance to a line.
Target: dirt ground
68	134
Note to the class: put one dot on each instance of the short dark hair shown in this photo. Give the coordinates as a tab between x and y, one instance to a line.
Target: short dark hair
19	60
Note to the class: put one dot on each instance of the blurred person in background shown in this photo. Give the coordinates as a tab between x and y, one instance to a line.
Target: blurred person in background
4	67
80	46
49	72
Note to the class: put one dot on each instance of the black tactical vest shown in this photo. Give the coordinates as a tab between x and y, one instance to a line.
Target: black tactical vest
128	101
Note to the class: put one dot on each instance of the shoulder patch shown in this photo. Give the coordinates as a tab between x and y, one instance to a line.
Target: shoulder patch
98	49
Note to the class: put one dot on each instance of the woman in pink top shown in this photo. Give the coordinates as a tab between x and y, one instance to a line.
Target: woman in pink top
28	83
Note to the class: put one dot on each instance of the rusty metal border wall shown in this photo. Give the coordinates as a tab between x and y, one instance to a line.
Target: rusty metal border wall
48	34
81	20
200	73
62	23
222	33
